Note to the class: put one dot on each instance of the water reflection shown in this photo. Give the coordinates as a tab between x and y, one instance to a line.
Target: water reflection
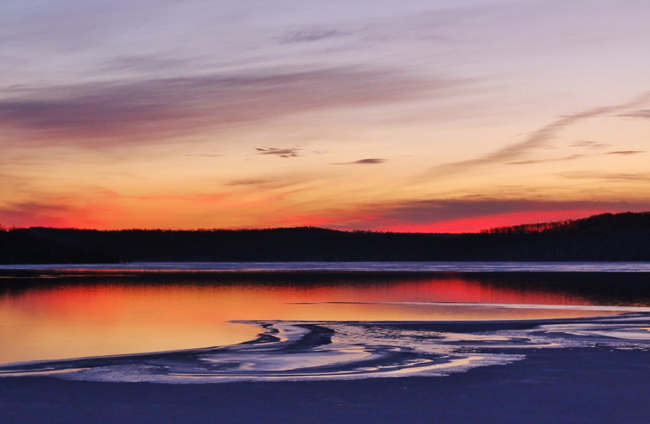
94	314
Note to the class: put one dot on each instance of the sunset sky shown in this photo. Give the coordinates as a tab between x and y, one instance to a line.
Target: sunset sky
443	116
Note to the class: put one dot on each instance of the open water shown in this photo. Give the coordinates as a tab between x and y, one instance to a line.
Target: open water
189	322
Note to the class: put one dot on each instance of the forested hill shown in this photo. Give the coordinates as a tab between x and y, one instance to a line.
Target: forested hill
594	224
607	237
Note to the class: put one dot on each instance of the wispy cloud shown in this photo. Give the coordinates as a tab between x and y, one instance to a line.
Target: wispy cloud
422	211
643	113
535	161
574	157
205	155
593	145
250	181
286	152
146	111
625	152
264	183
606	176
311	35
372	161
144	63
538	139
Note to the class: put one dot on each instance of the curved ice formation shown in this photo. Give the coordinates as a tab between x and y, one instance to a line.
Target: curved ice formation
353	350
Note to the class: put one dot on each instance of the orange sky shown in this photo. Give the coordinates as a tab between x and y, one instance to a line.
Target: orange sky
424	116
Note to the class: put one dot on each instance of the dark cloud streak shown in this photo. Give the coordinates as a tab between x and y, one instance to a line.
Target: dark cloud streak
24	214
593	145
606	176
263	183
102	115
432	211
311	35
373	161
643	113
289	152
533	161
625	152
536	140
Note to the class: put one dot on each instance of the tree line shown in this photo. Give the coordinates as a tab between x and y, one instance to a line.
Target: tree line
606	237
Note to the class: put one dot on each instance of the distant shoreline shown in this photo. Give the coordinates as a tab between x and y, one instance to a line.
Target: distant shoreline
601	238
339	267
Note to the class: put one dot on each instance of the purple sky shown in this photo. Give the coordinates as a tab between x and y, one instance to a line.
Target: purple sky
448	115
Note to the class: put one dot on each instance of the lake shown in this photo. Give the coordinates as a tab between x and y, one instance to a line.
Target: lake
63	312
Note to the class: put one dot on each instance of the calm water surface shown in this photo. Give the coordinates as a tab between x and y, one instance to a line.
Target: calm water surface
55	314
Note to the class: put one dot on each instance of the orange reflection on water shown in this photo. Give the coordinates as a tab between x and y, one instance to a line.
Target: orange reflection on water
108	319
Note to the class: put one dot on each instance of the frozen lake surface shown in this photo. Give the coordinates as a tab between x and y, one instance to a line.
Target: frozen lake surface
355	266
223	322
